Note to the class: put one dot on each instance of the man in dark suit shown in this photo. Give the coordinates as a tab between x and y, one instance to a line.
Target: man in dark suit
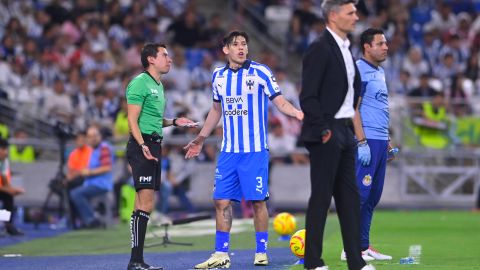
330	89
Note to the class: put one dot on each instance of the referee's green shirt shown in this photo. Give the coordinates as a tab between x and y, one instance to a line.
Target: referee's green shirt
144	91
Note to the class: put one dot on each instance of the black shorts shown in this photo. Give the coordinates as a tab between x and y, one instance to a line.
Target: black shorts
146	173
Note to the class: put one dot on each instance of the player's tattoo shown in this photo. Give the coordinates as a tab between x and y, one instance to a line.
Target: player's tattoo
227	216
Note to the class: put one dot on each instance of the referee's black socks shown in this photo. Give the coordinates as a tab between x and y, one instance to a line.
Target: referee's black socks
138	229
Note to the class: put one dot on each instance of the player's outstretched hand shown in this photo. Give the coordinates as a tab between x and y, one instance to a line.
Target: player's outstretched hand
185	122
194	147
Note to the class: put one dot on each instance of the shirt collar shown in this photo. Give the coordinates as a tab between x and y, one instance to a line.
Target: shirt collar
370	64
245	65
341	43
148	73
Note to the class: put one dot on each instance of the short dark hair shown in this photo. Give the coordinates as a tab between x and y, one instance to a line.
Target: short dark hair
368	35
150	49
333	5
230	37
3	143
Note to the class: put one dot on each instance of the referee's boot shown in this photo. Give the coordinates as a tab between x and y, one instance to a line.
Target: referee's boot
141	266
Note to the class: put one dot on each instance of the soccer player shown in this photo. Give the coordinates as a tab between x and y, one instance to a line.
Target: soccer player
145	109
241	91
372	154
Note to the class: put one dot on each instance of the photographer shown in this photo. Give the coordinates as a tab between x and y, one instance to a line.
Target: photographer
7	191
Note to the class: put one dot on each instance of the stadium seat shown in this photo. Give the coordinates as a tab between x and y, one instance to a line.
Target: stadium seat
103	205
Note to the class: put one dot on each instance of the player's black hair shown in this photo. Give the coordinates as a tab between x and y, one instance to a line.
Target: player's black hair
150	49
3	143
368	35
228	39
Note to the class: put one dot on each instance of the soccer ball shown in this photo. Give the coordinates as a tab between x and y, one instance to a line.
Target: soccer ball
284	223
297	243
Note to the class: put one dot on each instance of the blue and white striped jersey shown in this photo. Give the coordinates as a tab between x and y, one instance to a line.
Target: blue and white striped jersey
244	95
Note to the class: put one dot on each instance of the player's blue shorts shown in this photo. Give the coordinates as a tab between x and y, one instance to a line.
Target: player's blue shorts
242	175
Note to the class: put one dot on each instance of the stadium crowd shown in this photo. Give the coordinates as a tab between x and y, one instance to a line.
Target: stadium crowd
71	60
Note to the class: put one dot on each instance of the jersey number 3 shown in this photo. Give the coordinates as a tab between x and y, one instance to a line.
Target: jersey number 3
259	186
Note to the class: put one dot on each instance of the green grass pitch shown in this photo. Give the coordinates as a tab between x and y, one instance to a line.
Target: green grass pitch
450	240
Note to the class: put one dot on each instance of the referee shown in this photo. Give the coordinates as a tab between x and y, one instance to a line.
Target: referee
146	106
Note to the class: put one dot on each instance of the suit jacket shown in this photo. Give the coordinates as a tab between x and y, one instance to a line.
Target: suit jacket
324	86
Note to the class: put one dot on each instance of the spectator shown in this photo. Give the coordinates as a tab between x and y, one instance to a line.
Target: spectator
443	18
178	79
97	112
7	191
58	105
282	145
424	89
21	151
98	63
213	34
186	30
201	76
431	46
432	127
460	92
98	178
402	85
303	19
446	69
415	64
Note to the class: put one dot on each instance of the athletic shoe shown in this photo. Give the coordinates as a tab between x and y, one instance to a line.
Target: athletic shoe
365	256
217	260
368	267
377	255
141	266
261	259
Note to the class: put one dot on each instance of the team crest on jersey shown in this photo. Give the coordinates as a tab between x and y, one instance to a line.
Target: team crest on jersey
367	180
250	84
154	91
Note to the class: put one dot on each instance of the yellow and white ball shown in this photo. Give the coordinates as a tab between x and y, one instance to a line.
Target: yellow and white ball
284	223
297	243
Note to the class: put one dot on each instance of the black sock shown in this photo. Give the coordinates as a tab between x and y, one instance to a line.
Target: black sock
138	229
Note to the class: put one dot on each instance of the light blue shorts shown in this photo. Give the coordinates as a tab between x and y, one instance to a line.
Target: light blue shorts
242	175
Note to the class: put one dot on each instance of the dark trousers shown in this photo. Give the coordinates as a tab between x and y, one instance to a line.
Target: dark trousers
7	201
332	172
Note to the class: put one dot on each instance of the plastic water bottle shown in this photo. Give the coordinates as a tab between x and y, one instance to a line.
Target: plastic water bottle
392	153
415	251
407	260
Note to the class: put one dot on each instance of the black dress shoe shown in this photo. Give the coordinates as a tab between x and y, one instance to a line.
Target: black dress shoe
142	266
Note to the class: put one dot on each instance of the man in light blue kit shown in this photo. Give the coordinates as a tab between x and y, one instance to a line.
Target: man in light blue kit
241	91
373	141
